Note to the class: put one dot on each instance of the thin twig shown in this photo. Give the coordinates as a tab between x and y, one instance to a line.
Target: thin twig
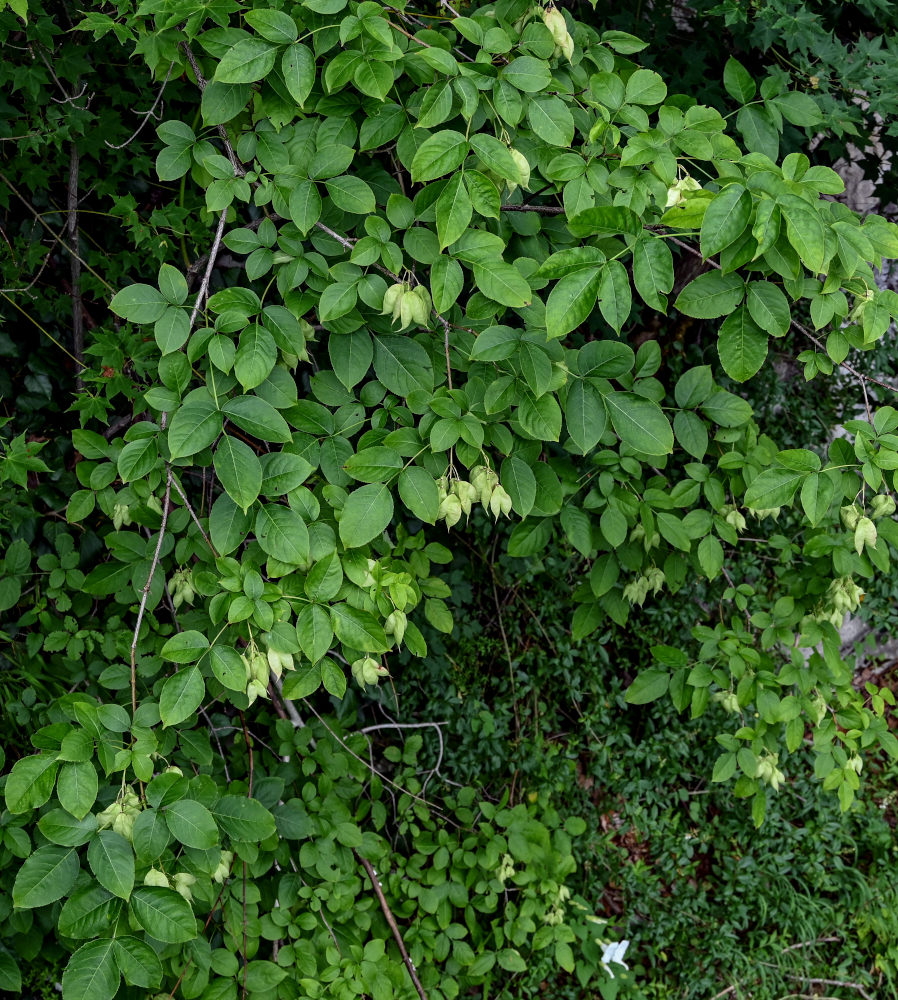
810	944
539	209
222	131
74	260
289	706
147	115
829	982
514	696
213	253
249	794
192	513
416	725
391	920
849	368
146	591
224	885
214	733
445	324
49	229
370	767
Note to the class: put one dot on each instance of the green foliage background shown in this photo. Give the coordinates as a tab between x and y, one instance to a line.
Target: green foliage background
410	485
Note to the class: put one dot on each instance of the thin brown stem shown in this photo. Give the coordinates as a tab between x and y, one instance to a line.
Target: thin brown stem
222	131
192	513
49	229
445	325
210	264
539	209
147	115
146	591
75	263
514	697
391	920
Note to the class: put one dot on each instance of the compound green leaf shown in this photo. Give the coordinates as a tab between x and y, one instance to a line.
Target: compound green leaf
282	533
640	423
742	345
711	295
111	859
366	514
239	471
182	694
572	300
439	155
46	876
419	493
726	218
92	972
163	913
194	427
251	59
191	824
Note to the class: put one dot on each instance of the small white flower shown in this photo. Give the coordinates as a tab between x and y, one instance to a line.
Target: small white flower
615	953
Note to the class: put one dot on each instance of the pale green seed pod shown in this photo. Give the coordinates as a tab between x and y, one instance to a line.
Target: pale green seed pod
735	520
121	514
391	299
408	305
864	534
181	883
555	22
395	625
850	515
256	689
466	493
123	824
259	667
500	502
450	510
882	505
488	482
106	817
523	166
817	709
420	299
156	877
224	867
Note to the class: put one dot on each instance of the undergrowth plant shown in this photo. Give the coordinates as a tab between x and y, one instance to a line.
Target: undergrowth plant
434	224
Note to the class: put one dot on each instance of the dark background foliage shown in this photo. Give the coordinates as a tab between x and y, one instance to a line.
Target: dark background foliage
525	712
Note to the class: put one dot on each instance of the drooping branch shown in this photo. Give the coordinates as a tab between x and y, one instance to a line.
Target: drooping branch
798	327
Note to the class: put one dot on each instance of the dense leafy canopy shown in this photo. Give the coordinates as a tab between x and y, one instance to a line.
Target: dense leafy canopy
427	238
